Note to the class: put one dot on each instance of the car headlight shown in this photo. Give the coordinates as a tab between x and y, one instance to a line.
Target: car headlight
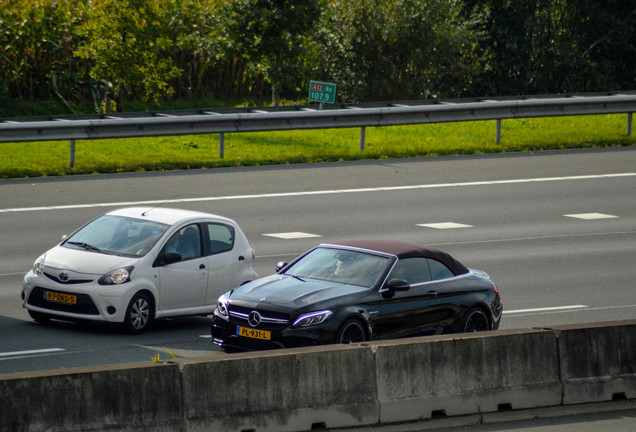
313	318
221	308
116	277
38	265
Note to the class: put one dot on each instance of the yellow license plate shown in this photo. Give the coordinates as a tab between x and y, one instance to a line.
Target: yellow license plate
60	298
254	333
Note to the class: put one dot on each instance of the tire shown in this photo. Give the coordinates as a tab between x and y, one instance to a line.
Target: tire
40	317
139	314
351	331
475	320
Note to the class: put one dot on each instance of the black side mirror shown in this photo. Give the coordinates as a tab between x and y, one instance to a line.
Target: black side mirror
398	285
279	266
393	286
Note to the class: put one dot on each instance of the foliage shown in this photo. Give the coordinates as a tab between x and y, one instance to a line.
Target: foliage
274	35
75	52
37	38
408	49
545	46
128	42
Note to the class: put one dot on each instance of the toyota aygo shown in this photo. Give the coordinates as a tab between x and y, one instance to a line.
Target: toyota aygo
134	265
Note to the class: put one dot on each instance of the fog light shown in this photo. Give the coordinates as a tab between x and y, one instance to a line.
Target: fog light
111	310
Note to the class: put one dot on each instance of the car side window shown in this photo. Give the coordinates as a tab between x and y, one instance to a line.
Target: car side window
220	238
186	242
439	270
412	270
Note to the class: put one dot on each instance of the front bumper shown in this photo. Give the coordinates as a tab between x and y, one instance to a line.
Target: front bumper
224	334
92	301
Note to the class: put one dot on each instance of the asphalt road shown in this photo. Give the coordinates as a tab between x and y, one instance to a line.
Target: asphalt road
555	230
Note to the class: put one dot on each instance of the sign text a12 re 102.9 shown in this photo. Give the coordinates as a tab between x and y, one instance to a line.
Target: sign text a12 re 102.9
322	92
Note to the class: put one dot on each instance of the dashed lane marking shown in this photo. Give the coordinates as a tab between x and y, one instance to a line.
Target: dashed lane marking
591	216
292	235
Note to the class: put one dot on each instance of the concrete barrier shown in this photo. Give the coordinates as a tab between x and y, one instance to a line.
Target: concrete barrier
466	374
597	361
290	390
332	386
124	397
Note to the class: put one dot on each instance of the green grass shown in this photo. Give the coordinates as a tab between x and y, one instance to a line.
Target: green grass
51	158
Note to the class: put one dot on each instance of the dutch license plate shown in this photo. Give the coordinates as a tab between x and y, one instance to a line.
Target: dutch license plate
253	333
60	298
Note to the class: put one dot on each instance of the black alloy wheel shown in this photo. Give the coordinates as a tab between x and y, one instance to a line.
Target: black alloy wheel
351	332
138	314
475	320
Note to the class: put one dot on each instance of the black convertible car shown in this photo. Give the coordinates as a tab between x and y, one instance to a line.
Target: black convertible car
354	291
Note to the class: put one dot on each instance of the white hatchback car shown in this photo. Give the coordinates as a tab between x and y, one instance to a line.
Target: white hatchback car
137	264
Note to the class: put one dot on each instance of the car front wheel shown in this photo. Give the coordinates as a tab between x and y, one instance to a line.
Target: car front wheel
475	320
351	332
138	314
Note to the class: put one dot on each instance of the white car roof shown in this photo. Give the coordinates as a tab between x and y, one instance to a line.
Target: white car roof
165	215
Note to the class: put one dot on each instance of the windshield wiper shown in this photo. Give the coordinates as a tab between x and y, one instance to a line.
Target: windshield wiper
296	277
87	246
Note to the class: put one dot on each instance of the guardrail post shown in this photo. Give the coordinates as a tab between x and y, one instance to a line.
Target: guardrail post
498	138
629	124
363	131
221	145
71	161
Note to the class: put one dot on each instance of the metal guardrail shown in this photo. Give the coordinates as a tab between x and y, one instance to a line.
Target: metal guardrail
221	121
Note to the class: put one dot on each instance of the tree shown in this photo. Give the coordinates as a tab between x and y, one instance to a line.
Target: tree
128	42
36	43
403	49
275	36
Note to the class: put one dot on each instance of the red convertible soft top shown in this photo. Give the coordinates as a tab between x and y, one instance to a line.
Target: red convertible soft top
406	250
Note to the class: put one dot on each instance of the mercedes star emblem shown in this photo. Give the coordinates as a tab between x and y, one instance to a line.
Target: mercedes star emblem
254	319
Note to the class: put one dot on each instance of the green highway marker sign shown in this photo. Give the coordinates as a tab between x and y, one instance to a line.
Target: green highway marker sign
322	92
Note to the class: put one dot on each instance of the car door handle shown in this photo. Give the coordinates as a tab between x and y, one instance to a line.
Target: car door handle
432	293
202	266
241	258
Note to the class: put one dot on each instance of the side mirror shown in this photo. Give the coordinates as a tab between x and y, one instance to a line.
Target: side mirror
172	257
393	286
398	285
279	266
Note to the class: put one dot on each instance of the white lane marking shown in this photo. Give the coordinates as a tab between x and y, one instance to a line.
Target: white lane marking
591	216
31	352
445	225
292	235
546	309
322	192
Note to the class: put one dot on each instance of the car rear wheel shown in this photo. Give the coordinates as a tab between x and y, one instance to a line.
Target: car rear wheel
138	314
40	317
351	331
475	320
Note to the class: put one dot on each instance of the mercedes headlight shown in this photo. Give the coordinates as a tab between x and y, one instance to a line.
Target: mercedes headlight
312	319
221	308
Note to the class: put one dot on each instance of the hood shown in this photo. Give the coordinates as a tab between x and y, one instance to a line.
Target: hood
79	261
290	292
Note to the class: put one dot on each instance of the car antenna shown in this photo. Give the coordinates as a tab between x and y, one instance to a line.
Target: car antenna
158	205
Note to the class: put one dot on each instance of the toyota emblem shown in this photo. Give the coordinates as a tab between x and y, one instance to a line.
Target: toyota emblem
254	319
63	276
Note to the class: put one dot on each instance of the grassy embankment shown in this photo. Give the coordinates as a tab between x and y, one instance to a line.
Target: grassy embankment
186	152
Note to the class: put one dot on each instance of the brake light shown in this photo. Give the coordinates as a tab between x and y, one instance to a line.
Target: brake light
495	289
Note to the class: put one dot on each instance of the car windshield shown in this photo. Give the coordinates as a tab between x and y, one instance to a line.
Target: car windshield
342	266
116	235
